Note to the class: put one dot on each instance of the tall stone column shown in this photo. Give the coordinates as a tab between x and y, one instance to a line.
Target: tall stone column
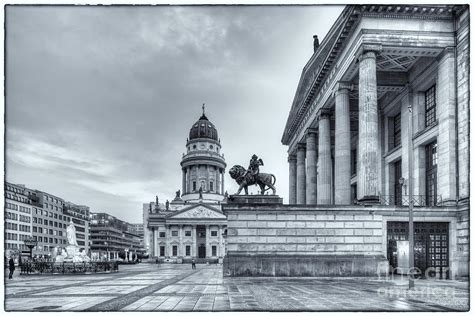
208	236
155	242
219	248
368	153
194	235
292	182
180	246
324	160
311	167
446	112
168	252
300	174
342	149
183	189
223	176
218	180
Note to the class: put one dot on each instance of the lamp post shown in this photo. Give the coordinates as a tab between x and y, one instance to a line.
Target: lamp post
411	232
30	243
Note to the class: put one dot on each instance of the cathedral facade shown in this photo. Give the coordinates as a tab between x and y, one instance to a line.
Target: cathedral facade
192	225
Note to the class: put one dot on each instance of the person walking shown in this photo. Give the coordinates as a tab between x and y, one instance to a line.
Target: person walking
11	267
193	264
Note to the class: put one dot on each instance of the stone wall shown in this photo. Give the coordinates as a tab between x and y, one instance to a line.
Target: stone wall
286	231
462	63
283	240
462	242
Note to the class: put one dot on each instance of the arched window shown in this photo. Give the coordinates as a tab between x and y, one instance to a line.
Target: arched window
211	186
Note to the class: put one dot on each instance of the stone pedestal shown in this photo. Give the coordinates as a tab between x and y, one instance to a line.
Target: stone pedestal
254	199
273	239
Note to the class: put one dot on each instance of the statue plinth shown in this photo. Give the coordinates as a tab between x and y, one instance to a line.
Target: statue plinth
255	199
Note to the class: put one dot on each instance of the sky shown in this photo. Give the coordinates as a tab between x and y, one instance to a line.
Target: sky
100	100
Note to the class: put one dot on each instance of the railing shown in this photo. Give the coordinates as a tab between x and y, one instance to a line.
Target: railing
418	200
67	267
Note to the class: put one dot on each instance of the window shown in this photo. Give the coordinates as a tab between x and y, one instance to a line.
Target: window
175	251
194	185
397	187
353	162
162	234
187	233
214	251
174	233
34	229
214	233
211	186
397	131
188	251
162	251
431	151
430	106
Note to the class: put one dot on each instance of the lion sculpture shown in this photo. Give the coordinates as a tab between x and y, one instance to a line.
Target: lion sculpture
243	179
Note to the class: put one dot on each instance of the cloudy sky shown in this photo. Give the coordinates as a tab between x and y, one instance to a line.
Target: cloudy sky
100	100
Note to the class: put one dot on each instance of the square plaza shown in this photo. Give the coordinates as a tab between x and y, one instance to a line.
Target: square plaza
171	287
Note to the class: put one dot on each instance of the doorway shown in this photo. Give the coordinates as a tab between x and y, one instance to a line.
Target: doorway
431	246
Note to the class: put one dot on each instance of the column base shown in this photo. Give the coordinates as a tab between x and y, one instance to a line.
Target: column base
369	200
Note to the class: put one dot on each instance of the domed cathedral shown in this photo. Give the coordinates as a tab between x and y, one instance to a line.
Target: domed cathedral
192	225
203	165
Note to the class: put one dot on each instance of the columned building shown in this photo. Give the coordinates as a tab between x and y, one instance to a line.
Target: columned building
386	92
192	225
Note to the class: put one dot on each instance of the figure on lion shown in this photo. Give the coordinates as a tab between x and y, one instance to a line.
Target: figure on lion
245	177
254	166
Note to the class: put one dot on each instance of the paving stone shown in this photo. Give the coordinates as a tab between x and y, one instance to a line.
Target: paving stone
168	287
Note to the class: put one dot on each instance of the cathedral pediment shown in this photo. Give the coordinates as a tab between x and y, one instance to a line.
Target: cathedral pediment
198	212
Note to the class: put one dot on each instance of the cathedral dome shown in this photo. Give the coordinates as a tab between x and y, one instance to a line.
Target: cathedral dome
203	128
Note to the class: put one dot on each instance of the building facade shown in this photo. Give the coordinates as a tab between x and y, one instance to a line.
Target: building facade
192	225
44	217
18	220
112	238
382	108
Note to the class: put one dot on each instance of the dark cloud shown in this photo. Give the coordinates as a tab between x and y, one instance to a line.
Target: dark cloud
100	99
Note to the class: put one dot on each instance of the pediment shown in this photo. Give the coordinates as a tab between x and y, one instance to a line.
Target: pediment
199	212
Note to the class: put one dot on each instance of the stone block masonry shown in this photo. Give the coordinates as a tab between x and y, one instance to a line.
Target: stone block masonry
280	230
284	240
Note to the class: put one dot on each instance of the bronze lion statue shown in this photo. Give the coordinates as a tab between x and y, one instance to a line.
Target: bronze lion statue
243	179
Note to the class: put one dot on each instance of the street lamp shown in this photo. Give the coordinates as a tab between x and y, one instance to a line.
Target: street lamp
30	243
411	232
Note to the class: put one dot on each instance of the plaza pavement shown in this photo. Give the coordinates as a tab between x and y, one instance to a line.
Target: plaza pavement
168	287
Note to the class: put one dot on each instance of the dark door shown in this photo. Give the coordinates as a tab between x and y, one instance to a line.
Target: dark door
431	246
202	251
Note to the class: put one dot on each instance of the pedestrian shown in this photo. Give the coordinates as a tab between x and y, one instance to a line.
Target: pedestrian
11	267
193	264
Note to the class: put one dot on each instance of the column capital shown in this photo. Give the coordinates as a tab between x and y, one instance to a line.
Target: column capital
291	158
323	114
343	87
311	132
301	147
368	51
